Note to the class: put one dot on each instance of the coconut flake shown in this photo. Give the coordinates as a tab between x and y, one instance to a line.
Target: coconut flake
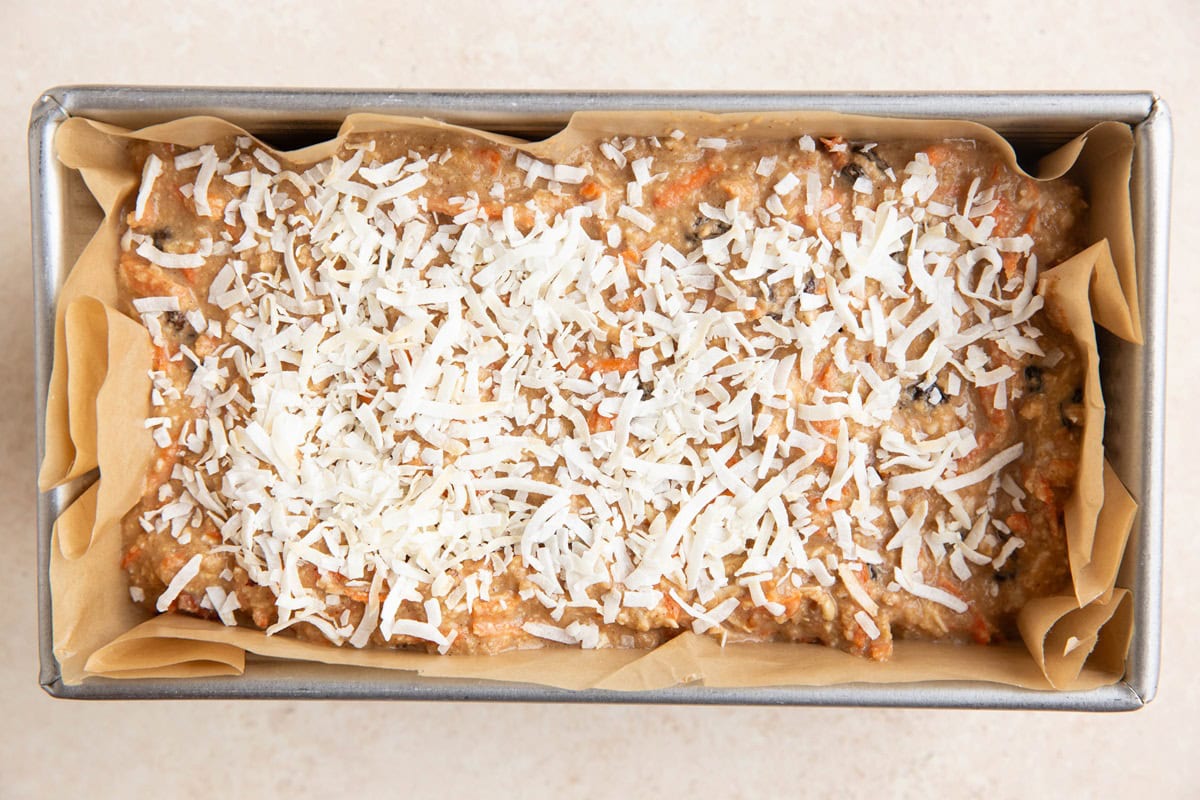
180	580
150	172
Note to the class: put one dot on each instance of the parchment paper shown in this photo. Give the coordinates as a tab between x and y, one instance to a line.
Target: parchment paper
98	401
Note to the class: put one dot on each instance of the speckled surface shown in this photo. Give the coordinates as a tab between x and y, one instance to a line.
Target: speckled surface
58	749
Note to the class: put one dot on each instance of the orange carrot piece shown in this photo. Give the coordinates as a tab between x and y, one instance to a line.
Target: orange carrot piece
859	639
1010	261
160	359
622	365
946	586
1043	491
1030	223
358	595
491	157
981	632
671	194
937	154
1003	215
826	426
825	379
840	156
597	422
131	555
1017	522
670	607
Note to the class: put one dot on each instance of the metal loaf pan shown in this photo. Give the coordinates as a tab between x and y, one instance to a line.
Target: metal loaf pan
64	217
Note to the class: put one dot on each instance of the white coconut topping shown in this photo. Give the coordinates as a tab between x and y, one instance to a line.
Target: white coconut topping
188	571
150	172
638	218
156	305
867	624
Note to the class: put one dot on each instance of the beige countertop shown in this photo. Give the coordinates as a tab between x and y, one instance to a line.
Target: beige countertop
54	748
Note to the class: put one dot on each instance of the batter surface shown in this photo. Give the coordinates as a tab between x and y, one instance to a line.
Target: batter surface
435	393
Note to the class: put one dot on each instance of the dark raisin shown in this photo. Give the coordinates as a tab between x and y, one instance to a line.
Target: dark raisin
160	237
873	156
852	172
175	319
874	572
1071	413
810	285
1033	378
705	228
932	395
1071	416
1008	571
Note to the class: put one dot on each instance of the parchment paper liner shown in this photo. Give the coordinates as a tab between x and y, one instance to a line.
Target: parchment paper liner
99	397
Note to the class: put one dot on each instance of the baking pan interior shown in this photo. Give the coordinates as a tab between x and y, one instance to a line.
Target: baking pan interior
65	216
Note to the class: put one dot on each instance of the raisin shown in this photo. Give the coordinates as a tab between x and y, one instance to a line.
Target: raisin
706	228
1070	417
176	322
160	237
1071	413
1033	379
933	395
852	172
873	156
874	572
1008	571
810	285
